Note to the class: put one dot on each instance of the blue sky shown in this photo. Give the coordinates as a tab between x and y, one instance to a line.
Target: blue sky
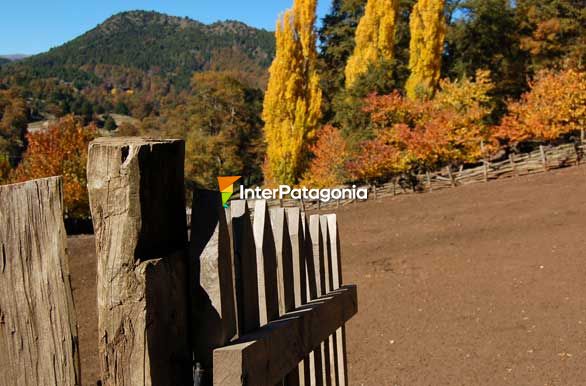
31	27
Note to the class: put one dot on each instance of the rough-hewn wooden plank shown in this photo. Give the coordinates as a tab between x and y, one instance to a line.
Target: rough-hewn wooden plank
265	356
315	357
327	346
297	244
296	236
317	240
285	271
543	157
285	278
331	343
336	264
137	201
213	312
266	263
245	270
318	254
38	331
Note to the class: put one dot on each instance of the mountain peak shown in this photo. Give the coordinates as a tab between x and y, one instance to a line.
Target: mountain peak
154	42
129	20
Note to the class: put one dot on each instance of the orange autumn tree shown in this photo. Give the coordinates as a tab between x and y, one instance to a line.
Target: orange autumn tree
555	106
419	135
377	160
327	168
60	150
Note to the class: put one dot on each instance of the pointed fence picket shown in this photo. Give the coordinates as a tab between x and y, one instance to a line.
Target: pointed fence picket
297	335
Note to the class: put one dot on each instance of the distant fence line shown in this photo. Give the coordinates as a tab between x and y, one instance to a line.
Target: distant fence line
541	160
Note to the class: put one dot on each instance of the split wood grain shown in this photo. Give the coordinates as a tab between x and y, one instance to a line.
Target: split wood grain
245	270
336	259
263	357
38	330
211	282
298	255
137	202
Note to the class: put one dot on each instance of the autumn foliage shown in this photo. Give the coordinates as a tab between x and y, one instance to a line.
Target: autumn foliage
328	165
428	32
293	100
555	106
417	135
377	160
61	150
375	38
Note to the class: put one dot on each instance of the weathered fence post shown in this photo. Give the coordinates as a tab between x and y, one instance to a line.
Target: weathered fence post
38	331
451	176
428	177
486	168
285	265
266	263
543	157
321	286
137	201
213	313
295	229
245	269
312	275
336	264
285	278
513	165
331	342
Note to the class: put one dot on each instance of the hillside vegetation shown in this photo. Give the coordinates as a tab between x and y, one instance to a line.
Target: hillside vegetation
384	90
154	43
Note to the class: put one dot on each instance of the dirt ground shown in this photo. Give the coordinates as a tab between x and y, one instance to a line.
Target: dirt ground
479	285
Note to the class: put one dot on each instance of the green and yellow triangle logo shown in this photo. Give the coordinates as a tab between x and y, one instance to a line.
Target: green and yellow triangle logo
227	188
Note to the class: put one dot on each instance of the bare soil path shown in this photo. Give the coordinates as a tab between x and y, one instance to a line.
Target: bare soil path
479	285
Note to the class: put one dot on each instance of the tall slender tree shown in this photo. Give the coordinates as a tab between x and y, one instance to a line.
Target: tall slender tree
428	32
292	105
336	38
375	38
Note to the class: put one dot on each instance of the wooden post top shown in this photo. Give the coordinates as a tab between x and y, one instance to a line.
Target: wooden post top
126	141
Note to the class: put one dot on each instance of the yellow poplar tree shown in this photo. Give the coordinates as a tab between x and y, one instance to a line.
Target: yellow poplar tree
292	105
375	38
428	32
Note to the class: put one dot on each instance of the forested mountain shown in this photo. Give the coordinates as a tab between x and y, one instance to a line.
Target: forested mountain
147	65
153	43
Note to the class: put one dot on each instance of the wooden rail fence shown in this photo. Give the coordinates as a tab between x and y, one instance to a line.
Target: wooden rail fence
538	161
244	302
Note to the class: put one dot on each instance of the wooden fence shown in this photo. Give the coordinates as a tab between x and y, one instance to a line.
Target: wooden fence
38	330
244	302
515	165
